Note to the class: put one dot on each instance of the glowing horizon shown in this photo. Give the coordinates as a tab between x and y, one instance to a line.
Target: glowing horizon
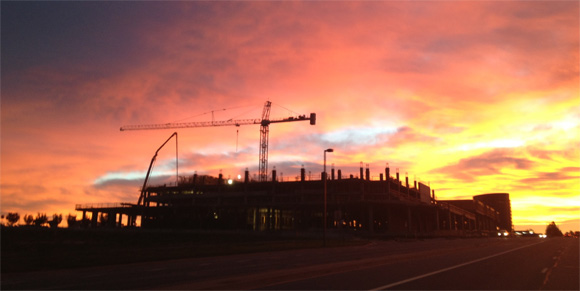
473	97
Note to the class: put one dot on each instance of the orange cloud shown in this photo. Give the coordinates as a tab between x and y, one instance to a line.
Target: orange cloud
475	97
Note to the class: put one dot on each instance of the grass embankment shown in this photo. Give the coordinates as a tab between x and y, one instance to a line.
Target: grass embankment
33	249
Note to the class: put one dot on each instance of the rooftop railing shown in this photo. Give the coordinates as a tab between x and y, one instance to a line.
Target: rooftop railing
103	205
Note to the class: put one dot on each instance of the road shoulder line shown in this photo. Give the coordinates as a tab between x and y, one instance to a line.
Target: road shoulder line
450	268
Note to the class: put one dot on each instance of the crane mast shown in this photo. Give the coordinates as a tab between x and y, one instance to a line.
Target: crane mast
264	132
264	123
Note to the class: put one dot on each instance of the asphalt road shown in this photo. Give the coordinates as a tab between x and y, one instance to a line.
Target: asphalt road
466	264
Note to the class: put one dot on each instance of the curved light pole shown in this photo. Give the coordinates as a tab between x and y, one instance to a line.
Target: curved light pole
324	177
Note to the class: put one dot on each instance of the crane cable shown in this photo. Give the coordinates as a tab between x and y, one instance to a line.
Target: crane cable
212	111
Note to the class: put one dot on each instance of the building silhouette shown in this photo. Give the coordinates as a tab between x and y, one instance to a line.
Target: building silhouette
501	202
387	206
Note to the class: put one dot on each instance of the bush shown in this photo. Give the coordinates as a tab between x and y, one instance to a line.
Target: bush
13	218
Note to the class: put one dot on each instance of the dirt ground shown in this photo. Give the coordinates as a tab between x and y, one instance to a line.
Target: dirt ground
34	249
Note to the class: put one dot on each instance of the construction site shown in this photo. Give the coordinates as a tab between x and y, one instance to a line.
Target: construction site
333	203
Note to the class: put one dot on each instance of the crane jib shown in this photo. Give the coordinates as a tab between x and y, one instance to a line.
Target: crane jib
230	122
265	121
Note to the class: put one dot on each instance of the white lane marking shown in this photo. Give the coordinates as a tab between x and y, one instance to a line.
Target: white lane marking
450	268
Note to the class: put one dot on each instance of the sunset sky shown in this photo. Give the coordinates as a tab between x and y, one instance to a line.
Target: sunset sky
472	97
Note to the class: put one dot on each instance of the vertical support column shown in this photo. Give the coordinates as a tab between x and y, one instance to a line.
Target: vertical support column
371	220
389	219
407	183
409	219
111	219
449	214
398	182
368	173
437	218
83	220
388	178
256	219
268	218
94	218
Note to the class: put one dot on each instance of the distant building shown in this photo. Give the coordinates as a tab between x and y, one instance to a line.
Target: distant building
381	207
501	202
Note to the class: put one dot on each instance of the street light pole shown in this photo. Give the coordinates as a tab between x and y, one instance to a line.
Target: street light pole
324	177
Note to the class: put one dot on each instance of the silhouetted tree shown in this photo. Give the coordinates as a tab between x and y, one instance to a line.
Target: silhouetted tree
28	219
56	220
12	218
552	230
71	220
40	219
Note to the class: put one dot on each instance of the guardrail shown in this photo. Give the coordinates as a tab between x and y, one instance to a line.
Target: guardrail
104	205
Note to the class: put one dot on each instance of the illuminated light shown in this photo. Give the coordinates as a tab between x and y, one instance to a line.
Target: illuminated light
230	181
239	177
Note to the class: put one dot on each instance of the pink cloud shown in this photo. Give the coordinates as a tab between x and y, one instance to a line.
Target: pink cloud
393	75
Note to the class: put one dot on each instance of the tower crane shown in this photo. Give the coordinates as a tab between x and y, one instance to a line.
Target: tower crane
264	123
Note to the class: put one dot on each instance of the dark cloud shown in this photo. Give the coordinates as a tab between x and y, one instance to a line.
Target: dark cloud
489	163
405	135
567	173
566	152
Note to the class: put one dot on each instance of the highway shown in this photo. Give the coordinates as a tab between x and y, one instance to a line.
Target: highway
460	264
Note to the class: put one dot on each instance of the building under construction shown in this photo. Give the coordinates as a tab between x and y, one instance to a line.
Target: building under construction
387	206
